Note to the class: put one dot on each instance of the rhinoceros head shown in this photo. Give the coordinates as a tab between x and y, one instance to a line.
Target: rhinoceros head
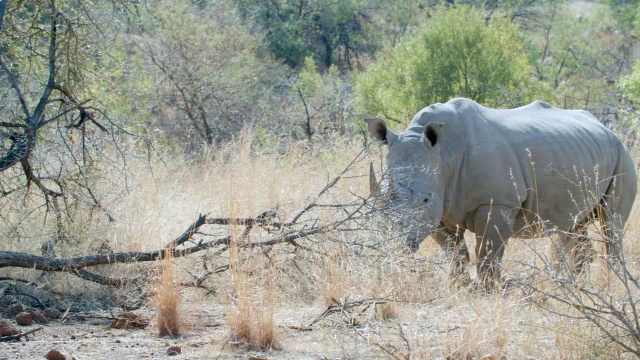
414	189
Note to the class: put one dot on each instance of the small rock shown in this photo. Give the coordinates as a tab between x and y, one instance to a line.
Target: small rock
16	309
51	313
24	318
174	350
54	354
38	317
7	329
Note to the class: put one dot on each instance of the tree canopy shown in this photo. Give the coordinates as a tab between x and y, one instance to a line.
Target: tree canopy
329	31
457	53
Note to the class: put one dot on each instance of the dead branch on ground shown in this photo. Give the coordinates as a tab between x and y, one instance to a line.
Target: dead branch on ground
18	336
349	310
287	233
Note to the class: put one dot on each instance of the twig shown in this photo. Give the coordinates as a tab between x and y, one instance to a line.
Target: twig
188	233
100	279
74	265
18	336
329	185
7	278
77	106
13	125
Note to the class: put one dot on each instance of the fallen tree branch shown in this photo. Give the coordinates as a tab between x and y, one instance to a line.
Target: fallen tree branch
100	279
25	260
19	293
76	265
18	336
287	233
186	236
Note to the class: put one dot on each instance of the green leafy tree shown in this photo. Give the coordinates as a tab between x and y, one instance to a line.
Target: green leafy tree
209	73
326	99
332	32
626	12
55	128
630	85
578	59
628	112
456	54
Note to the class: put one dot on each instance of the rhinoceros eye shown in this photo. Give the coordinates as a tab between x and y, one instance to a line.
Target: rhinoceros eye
428	198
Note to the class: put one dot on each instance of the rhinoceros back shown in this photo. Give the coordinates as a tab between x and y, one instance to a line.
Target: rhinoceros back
551	164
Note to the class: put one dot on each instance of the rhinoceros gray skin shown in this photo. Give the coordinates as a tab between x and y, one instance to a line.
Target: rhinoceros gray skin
505	173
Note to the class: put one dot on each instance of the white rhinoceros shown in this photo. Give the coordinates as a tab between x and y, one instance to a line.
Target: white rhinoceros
505	173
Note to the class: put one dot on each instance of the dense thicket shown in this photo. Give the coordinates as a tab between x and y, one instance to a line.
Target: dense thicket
189	73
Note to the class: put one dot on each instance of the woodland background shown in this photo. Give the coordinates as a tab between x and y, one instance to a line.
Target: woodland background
122	121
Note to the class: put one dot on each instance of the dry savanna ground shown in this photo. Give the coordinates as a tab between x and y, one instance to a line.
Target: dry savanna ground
350	292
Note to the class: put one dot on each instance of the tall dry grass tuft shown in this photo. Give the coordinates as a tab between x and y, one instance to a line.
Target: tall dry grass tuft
333	281
251	303
385	289
387	309
167	299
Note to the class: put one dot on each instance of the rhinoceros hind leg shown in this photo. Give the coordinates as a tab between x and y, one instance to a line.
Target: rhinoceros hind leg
575	251
612	227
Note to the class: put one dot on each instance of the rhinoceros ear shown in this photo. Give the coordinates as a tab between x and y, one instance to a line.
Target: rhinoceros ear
433	134
379	131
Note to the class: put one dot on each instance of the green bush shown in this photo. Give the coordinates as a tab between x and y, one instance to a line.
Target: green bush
458	53
630	85
210	75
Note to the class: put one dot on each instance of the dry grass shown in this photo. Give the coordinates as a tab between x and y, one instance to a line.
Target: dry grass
387	310
251	301
167	300
265	292
335	285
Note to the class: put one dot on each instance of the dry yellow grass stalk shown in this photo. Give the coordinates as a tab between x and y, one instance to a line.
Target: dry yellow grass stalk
167	299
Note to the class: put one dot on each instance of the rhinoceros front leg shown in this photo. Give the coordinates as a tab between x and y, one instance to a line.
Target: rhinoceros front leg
493	225
452	242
